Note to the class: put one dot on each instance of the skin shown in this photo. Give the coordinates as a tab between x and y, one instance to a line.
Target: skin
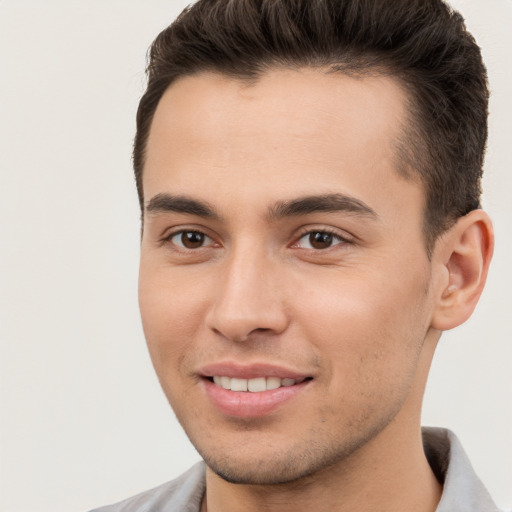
360	315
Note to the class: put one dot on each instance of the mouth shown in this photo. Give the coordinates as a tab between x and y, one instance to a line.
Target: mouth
254	385
252	391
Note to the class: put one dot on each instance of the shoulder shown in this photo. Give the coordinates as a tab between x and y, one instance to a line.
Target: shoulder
463	491
184	494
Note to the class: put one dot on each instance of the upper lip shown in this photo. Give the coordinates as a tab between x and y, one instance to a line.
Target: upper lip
249	371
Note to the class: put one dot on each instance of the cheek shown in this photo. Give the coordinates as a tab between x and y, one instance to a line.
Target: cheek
171	307
369	329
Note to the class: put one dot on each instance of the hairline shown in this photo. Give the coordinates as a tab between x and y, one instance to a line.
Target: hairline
409	149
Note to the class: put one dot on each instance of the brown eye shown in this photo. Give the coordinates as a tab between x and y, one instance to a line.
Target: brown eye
190	239
320	240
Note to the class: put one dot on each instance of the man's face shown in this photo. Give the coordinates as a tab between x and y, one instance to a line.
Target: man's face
280	242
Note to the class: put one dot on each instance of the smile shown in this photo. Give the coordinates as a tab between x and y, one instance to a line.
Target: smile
253	397
255	385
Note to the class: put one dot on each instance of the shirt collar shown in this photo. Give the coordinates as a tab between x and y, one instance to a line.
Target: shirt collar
463	491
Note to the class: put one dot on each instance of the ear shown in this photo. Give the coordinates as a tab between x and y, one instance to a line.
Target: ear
462	257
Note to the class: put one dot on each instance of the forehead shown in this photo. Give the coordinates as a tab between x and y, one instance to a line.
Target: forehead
309	103
291	132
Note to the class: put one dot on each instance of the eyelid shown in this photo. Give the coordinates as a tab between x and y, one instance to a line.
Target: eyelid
343	236
171	233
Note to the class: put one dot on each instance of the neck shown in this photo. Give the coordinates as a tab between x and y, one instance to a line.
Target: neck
390	473
404	482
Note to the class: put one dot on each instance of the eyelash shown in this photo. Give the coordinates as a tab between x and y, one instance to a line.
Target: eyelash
168	238
340	240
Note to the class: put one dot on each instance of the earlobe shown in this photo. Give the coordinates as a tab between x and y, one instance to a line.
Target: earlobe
463	254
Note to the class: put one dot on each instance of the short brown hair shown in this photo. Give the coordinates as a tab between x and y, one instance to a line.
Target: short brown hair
423	43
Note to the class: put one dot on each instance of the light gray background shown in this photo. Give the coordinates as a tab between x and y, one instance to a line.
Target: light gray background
82	419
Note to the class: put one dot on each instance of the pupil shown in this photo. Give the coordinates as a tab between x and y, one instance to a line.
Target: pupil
320	240
192	239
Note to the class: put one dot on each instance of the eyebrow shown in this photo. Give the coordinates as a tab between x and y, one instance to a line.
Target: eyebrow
330	203
163	202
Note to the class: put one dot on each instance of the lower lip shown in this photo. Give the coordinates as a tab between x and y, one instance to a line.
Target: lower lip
244	404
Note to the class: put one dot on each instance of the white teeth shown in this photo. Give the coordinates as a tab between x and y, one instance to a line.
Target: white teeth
238	384
225	382
255	385
273	382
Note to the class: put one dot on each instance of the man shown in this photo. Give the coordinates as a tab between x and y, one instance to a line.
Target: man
309	180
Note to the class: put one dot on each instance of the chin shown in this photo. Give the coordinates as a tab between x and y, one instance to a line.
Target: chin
259	473
278	466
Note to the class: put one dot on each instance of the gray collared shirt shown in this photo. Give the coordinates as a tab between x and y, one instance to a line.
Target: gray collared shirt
462	492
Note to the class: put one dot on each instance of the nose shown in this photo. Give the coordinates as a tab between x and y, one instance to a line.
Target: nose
249	298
